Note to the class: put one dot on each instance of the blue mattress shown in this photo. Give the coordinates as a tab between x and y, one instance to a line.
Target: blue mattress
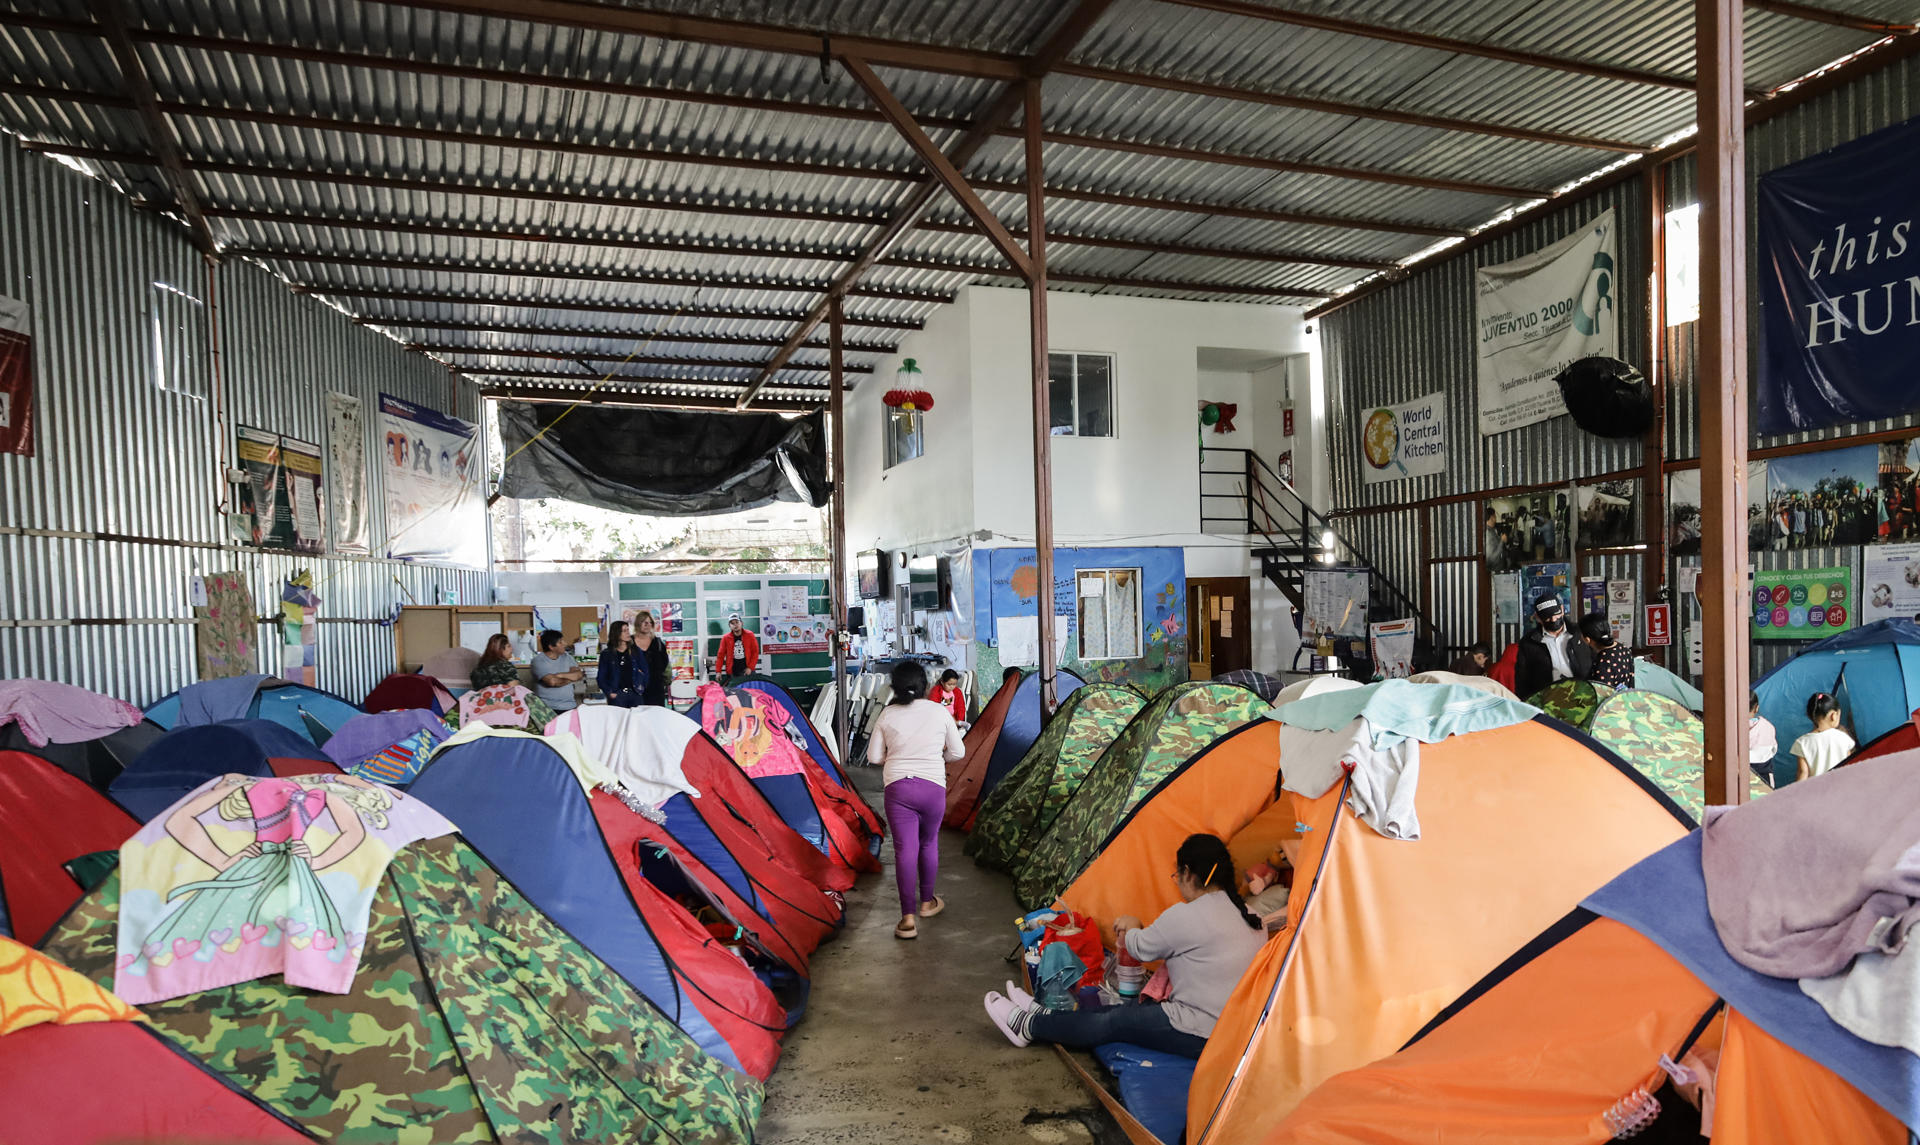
1153	1086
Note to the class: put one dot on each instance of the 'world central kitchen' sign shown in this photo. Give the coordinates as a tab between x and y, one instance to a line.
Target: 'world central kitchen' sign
1839	285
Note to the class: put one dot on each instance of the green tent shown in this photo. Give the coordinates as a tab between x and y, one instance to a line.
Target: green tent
1570	701
1178	724
1025	803
473	1019
1664	742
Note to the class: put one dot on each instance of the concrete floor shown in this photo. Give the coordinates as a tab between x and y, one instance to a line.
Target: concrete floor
895	1046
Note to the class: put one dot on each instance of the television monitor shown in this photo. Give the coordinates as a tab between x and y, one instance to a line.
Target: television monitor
872	567
930	583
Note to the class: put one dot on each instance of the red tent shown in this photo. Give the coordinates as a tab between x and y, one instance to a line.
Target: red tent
1904	737
47	819
404	690
740	814
967	775
78	1067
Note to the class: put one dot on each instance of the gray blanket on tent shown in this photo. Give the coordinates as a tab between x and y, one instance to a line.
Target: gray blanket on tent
662	462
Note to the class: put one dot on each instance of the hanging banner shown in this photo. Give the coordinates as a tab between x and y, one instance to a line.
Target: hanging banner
1407	440
299	629
225	627
263	499
1889	583
16	377
347	452
1392	648
431	466
1840	320
805	634
1538	314
1802	604
304	473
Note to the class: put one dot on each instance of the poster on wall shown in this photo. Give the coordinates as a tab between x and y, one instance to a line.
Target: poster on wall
302	470
1593	597
1391	646
673	617
1802	604
347	454
1609	514
786	601
225	628
1622	598
1536	315
1407	440
1018	640
1528	529
435	506
16	377
1336	603
263	497
683	657
1837	254
1544	580
1889	583
1506	598
1683	508
800	634
1818	500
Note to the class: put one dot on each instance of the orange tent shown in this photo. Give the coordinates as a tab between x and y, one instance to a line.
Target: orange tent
1517	823
1541	1050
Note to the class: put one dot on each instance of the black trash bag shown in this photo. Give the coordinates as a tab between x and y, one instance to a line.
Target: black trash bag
1607	397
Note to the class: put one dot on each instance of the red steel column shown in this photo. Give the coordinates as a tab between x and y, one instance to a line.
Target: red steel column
1723	393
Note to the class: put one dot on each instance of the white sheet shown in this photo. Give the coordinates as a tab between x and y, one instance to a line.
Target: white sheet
1384	779
642	747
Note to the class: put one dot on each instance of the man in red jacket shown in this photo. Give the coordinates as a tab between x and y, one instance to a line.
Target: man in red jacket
739	651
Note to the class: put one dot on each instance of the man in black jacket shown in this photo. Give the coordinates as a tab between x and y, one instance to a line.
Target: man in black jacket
1550	652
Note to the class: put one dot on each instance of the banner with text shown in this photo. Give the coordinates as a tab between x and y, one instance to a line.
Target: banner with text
431	462
1538	314
1840	315
1407	440
347	450
1889	583
1802	604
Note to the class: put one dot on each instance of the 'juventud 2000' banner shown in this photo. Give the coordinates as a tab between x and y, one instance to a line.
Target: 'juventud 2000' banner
1539	313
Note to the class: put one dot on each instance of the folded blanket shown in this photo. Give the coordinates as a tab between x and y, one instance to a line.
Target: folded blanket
365	736
61	713
753	727
250	876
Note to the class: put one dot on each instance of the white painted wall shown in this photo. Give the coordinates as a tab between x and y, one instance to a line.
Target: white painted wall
930	498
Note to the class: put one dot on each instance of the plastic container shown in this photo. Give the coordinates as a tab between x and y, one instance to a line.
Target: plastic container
1128	975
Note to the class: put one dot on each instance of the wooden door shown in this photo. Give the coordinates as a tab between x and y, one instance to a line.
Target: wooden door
1220	624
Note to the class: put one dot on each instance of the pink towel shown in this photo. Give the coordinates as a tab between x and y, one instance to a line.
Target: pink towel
61	713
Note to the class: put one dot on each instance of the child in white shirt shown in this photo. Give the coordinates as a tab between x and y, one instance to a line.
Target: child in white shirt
1822	749
1763	740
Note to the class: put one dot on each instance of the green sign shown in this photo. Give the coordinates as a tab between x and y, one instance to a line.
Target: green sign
1802	604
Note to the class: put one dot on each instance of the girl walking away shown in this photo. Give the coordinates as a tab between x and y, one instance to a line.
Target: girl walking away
1207	940
1612	664
623	674
948	694
1821	749
913	741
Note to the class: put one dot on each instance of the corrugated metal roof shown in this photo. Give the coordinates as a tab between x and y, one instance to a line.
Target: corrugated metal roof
375	150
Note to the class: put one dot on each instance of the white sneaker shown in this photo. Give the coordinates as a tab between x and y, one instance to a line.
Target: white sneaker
1002	1010
1018	996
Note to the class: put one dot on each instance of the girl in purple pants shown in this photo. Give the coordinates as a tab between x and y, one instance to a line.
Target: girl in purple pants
912	742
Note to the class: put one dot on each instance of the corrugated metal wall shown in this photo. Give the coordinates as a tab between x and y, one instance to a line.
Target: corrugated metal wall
1417	336
117	454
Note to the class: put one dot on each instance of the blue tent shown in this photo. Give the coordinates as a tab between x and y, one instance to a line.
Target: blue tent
1874	671
1651	677
1022	725
312	713
519	804
184	758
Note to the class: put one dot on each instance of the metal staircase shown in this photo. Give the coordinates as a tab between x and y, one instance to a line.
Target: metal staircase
1290	534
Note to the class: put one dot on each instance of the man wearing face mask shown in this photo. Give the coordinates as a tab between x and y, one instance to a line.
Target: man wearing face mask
1550	652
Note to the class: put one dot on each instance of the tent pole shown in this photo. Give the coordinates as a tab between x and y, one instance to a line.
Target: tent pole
837	584
1042	418
1723	393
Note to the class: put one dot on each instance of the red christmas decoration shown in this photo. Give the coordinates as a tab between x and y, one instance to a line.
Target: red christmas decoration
908	399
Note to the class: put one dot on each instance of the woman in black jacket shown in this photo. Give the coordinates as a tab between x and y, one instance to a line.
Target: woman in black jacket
652	652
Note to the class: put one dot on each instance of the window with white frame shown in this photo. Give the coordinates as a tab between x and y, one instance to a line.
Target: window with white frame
1080	394
906	438
177	325
1108	602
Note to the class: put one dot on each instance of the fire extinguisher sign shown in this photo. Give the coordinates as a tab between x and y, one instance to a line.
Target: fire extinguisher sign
1659	625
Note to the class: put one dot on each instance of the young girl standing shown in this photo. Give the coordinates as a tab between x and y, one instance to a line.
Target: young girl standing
913	740
1822	749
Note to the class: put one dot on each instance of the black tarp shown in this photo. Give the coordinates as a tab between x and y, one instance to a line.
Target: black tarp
663	462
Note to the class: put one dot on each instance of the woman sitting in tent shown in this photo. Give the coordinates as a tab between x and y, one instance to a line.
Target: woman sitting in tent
1207	940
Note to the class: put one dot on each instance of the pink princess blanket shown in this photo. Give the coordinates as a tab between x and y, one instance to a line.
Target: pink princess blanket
248	876
752	726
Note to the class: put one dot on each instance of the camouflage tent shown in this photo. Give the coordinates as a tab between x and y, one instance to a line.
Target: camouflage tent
1664	742
473	1019
1175	726
1570	701
1025	803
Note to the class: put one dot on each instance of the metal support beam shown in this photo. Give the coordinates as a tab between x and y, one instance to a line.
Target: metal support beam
444	349
1042	406
810	386
1819	15
627	335
115	17
648	309
1722	334
837	510
937	162
1653	448
587	396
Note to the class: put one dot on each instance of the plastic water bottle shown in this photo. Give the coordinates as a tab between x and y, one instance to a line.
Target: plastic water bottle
1128	975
